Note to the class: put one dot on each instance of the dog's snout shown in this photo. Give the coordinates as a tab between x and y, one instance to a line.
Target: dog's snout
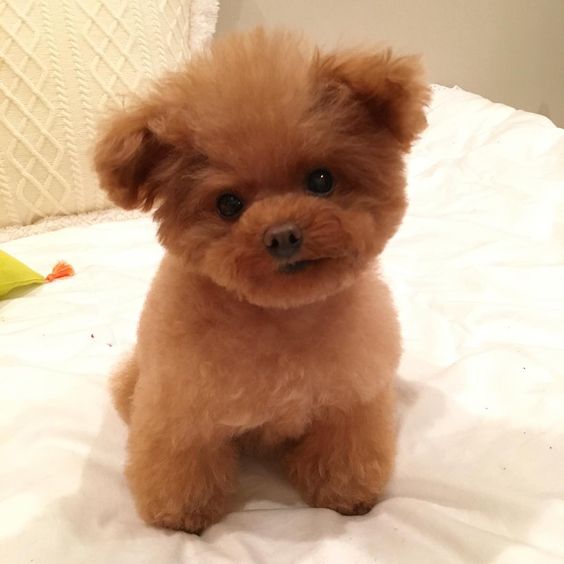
283	241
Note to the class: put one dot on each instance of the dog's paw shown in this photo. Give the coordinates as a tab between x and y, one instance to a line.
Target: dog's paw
343	502
350	507
182	517
194	522
336	487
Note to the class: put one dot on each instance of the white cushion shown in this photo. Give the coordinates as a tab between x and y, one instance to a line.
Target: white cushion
61	63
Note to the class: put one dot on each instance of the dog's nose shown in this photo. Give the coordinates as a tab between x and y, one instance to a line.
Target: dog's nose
283	241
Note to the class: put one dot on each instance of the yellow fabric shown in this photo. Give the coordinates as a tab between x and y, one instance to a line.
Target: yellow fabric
14	274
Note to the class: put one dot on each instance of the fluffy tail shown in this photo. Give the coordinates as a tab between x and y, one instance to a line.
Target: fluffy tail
122	385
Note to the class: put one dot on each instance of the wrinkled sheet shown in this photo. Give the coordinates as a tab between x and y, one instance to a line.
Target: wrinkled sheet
478	274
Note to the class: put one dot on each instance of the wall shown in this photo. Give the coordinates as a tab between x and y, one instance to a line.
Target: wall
511	51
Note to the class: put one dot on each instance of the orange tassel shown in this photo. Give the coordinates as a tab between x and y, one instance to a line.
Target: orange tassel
61	270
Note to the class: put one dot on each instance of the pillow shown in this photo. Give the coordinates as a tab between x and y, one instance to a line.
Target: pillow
14	274
62	63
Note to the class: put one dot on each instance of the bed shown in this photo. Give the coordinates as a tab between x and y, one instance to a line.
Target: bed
477	271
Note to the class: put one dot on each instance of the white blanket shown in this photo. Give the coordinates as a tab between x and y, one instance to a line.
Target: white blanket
478	274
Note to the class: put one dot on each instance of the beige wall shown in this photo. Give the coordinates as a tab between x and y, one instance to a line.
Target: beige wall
511	51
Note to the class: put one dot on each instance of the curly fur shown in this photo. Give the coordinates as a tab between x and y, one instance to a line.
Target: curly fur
231	351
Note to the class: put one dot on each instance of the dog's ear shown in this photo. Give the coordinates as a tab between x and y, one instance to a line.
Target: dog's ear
391	87
127	153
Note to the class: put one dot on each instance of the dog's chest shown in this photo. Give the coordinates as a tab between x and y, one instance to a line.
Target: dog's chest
244	367
278	372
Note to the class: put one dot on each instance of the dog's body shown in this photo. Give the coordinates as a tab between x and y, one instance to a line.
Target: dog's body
266	325
268	374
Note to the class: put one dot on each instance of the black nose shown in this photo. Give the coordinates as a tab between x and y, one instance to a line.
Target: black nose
283	241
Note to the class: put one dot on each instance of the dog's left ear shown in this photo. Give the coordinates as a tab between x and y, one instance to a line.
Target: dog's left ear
391	87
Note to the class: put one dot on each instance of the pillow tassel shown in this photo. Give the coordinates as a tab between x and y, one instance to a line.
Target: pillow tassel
61	270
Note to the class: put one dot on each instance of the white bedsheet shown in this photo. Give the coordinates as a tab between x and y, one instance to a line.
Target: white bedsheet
478	274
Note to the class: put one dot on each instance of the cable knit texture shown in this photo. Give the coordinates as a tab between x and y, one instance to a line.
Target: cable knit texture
62	63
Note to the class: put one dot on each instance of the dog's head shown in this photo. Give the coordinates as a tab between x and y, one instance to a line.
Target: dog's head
274	170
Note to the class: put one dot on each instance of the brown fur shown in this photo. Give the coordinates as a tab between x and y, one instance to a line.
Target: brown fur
231	350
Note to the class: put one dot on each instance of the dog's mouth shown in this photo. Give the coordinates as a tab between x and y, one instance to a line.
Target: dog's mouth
299	266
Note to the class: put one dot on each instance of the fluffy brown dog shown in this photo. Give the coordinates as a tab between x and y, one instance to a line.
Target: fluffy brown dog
277	176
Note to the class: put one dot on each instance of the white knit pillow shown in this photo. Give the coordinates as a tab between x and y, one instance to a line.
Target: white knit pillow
61	63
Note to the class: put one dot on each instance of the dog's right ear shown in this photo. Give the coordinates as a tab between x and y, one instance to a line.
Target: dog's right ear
127	153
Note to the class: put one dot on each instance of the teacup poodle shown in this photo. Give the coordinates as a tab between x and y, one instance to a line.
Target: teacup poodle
276	175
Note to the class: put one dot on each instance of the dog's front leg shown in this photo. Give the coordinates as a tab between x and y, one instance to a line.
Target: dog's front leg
345	459
179	479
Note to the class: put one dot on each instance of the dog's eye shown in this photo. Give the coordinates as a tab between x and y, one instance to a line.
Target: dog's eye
229	206
320	182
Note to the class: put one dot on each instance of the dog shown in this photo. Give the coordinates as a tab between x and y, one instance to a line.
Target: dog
276	176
